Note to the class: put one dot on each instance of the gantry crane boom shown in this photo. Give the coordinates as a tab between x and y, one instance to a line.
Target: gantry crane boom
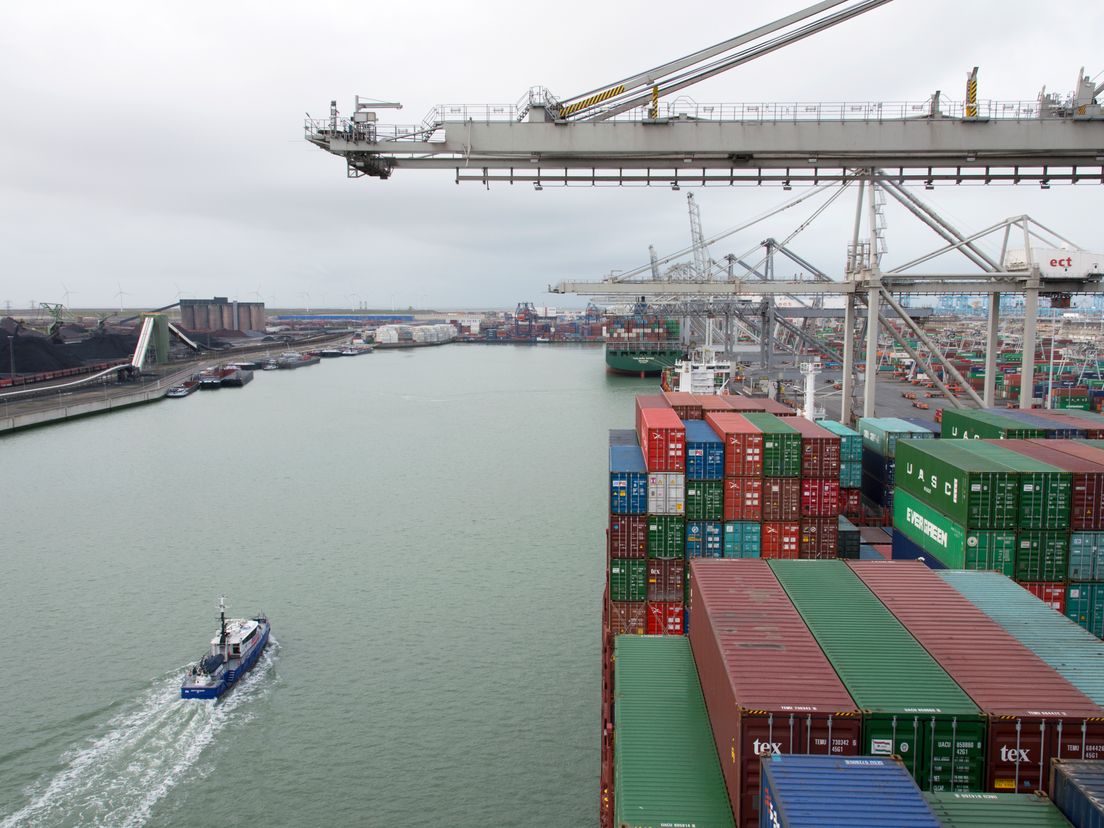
626	94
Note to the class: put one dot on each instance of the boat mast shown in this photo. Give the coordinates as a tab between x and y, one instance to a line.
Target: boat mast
222	627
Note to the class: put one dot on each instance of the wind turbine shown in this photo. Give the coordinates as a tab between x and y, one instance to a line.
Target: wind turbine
307	295
119	295
67	293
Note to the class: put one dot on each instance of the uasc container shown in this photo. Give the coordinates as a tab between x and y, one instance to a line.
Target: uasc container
768	686
1043	489
666	770
975	492
1086	478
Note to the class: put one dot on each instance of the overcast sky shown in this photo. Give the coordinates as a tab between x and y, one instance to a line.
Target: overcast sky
156	148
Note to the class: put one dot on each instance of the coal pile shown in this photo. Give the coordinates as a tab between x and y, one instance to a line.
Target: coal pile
35	354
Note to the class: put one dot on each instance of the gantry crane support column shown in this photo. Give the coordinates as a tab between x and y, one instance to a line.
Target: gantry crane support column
992	334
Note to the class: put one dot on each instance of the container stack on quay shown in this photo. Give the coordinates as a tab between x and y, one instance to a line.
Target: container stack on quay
879	453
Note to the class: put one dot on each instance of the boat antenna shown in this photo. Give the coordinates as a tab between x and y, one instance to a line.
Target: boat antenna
222	620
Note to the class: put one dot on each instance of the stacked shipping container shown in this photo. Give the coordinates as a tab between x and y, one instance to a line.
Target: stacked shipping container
879	453
1035	715
851	455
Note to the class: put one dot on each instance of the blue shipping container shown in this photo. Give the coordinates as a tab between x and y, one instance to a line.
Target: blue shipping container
876	491
905	550
1085	605
741	539
1086	556
704	452
628	481
704	539
880	468
800	791
1077	788
868	553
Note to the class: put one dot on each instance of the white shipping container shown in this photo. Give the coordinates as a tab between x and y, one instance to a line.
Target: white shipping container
1056	263
666	493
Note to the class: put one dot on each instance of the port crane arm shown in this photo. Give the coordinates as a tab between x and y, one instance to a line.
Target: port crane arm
648	86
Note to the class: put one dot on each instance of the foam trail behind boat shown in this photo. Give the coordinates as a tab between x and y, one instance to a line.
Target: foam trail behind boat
140	754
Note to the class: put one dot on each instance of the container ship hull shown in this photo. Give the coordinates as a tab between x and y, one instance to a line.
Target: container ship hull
642	359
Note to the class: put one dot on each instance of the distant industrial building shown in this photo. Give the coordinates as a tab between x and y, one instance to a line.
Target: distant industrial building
220	314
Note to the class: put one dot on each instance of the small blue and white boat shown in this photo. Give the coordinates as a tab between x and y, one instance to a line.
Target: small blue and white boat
234	650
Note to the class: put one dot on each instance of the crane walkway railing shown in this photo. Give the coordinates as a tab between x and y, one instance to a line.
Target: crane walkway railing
684	108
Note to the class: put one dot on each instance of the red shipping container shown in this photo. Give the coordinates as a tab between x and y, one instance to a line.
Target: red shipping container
665	618
743	444
781	498
666	580
735	402
627	536
819	538
1035	715
1051	593
851	504
712	402
767	684
820	497
662	438
685	405
780	540
820	449
743	498
627	617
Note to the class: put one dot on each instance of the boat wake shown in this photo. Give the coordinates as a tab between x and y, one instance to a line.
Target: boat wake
117	778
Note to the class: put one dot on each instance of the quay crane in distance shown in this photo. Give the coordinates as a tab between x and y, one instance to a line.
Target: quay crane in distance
623	133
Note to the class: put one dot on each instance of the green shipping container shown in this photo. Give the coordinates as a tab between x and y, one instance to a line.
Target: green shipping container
851	442
880	434
666	537
1044	490
911	707
1042	556
990	810
781	445
628	579
705	500
962	424
973	491
665	766
953	545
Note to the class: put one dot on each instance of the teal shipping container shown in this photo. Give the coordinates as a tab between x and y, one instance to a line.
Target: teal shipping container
742	539
1085	605
880	434
850	476
851	442
1086	556
1071	650
991	810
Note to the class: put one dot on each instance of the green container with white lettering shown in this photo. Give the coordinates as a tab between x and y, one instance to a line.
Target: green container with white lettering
961	424
954	546
975	492
1044	490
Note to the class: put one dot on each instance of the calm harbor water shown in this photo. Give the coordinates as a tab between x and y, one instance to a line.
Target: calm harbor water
424	529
